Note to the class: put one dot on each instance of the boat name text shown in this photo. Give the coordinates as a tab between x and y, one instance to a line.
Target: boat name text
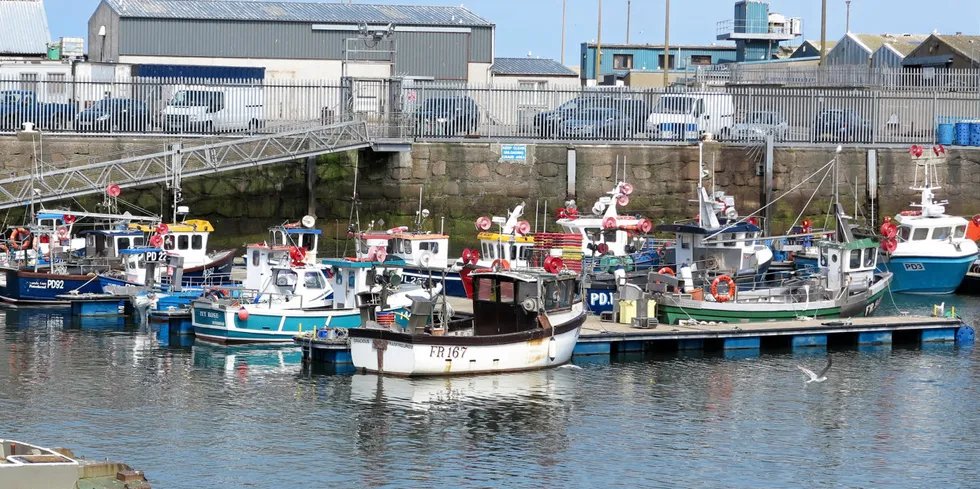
46	284
914	267
447	351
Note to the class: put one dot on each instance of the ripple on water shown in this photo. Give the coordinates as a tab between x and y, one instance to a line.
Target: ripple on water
206	416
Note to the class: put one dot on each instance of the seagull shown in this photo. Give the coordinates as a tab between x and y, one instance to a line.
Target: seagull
822	376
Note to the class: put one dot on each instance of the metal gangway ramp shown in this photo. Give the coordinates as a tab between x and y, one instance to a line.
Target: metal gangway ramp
183	159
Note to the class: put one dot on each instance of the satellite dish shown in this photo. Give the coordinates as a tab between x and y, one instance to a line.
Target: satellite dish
530	305
308	221
425	213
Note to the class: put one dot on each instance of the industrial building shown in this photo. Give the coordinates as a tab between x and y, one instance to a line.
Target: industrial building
293	40
757	32
619	61
532	74
873	50
811	48
28	58
945	51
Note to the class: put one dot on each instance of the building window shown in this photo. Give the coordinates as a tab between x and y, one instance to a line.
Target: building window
660	61
532	92
28	81
622	61
700	60
56	83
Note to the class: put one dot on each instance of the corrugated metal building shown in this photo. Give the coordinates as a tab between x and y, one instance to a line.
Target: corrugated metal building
25	28
860	49
894	50
532	73
946	51
811	48
296	40
620	59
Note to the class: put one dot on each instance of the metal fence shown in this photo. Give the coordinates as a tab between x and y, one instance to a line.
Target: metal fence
787	75
408	110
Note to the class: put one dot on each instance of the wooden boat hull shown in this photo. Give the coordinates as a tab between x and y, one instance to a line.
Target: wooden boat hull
392	353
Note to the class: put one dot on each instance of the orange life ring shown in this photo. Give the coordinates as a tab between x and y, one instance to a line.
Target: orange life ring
483	270
504	264
731	288
666	271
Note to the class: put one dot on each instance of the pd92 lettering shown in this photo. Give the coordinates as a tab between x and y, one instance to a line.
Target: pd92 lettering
447	351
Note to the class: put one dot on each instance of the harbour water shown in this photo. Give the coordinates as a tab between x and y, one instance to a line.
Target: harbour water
202	416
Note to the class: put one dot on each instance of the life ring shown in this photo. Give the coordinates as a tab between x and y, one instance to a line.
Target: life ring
503	264
731	288
666	271
62	233
483	270
20	238
215	294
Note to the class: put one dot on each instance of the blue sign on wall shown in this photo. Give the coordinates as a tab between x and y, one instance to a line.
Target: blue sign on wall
513	152
600	300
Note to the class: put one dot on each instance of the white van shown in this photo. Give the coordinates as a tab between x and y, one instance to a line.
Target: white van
214	109
687	116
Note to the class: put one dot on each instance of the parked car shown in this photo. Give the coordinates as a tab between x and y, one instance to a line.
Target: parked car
209	109
690	115
20	106
759	124
550	122
841	125
447	116
113	115
597	124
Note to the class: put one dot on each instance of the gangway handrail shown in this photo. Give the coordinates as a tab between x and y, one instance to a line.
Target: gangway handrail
190	161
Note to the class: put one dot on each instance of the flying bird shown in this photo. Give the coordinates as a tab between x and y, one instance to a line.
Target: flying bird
822	376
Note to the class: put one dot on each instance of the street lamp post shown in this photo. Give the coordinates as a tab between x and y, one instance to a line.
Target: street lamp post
667	46
628	8
564	5
598	47
823	34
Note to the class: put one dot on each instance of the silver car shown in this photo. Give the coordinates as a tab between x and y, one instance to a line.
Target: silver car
759	124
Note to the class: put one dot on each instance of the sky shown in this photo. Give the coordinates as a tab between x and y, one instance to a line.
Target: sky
534	26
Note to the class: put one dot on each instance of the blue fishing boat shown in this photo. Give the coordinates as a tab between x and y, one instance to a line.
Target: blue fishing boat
927	250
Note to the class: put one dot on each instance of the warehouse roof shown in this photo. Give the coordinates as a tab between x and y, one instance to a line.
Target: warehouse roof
530	66
297	12
25	27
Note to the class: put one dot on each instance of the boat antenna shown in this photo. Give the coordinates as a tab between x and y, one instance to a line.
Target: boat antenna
701	215
354	218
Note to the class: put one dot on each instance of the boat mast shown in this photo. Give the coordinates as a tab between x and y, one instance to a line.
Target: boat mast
701	216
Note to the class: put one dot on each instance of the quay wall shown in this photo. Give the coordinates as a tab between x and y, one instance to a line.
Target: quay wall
460	181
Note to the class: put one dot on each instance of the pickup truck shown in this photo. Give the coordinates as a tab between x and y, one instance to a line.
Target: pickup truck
19	106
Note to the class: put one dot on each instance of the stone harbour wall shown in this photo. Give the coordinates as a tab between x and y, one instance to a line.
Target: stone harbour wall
461	181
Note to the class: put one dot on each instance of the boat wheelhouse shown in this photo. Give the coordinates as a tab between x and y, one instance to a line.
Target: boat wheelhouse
189	239
927	250
522	320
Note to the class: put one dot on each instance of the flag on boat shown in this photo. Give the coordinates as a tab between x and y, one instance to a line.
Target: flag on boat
386	318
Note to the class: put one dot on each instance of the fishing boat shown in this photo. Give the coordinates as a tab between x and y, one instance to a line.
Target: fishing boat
522	320
283	295
845	284
44	261
26	466
927	250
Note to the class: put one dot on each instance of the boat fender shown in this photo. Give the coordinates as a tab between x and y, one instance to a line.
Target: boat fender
243	314
553	349
731	289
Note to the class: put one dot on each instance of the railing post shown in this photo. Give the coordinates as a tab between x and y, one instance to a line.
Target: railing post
935	115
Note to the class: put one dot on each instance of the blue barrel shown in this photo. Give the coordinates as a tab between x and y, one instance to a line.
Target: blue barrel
944	134
963	133
974	133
